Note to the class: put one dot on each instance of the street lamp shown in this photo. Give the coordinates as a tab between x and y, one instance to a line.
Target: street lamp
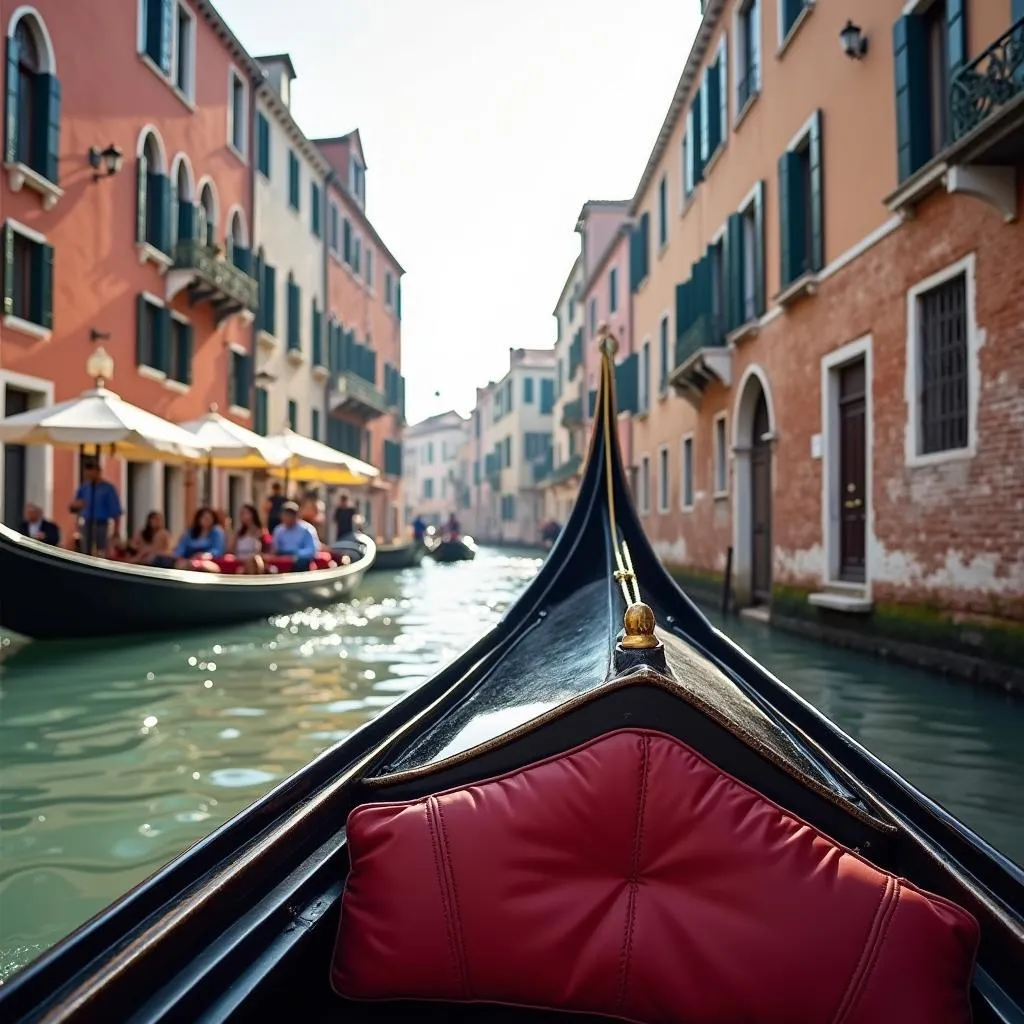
100	366
110	159
853	41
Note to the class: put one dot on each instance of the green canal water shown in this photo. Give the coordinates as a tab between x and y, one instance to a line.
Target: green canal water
115	757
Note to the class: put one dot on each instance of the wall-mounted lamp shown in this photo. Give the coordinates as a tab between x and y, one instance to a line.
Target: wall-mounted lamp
100	366
853	41
105	162
95	335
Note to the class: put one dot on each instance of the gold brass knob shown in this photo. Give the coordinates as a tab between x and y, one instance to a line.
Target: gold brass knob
639	624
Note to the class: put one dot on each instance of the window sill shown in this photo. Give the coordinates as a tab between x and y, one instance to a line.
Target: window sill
741	116
151	254
940	458
238	410
687	202
20	176
663	393
232	148
803	287
662	249
266	340
744	332
794	28
686	508
709	164
296	356
916	188
321	372
37	331
158	71
178	386
151	373
720	496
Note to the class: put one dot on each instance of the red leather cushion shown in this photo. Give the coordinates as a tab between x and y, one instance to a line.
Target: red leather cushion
631	877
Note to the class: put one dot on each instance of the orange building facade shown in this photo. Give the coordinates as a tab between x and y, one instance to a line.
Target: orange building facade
127	210
826	277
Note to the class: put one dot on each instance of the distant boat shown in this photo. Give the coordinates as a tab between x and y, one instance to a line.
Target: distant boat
50	593
453	549
405	555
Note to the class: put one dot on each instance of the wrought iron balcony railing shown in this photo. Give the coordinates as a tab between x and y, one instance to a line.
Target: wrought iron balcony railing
353	394
707	331
990	81
217	279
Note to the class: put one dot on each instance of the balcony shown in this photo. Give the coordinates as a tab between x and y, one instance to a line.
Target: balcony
210	278
572	413
355	396
541	469
567	470
702	357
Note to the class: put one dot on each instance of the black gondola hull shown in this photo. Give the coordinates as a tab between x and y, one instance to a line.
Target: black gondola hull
453	551
392	557
47	593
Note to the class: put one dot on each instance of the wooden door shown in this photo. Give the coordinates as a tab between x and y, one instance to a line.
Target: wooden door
761	505
852	471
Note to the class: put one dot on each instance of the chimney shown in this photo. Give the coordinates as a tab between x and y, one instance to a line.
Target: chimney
280	74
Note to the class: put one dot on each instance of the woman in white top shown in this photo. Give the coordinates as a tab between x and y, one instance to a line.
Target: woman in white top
247	544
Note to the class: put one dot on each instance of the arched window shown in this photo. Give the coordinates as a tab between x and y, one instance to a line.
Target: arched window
183	209
154	196
206	218
238	251
33	96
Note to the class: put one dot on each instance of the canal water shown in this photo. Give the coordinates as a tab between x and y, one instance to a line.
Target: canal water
115	757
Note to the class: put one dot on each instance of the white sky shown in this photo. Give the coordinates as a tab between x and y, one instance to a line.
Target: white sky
484	134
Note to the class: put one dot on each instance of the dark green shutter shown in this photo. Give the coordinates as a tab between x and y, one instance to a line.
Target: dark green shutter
158	234
791	217
47	127
695	147
816	154
683	315
1018	11
398	300
163	341
8	270
141	341
956	34
736	304
713	84
11	131
627	384
346	232
242	258
270	299
185	349
141	198
293	315
913	119
760	287
186	222
42	285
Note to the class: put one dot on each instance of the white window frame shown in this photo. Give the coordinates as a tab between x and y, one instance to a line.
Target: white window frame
663	218
644	484
368	270
189	89
144	369
235	75
687	440
720	455
785	38
664	479
17	323
665	319
975	341
749	206
723	89
172	383
751	9
334	227
645	376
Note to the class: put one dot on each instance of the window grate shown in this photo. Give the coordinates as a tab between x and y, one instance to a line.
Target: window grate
942	345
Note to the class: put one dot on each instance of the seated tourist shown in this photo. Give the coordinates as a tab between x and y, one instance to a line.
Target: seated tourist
202	543
38	527
452	528
296	539
152	544
250	541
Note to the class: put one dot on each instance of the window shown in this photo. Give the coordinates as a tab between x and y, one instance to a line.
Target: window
430	453
663	356
747	59
789	15
663	481
32	135
547	396
613	290
721	464
686	494
663	212
294	301
943	361
266	315
333	232
206	224
315	424
746	262
346	240
800	205
239	380
261	414
357	253
153	198
369	267
389	289
314	208
294	180
237	112
592	316
238	253
27	278
644	484
185	52
293	414
639	252
645	377
316	333
152	334
357	180
263	145
428	488
527	390
714	100
179	361
716	256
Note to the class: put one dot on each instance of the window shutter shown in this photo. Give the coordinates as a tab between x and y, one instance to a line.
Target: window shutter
8	270
913	121
734	273
185	350
142	199
626	381
141	341
760	286
956	31
816	257
159	232
242	258
11	121
702	105
186	222
346	232
42	285
398	300
1018	11
270	294
723	89
163	341
154	21
684	316
785	228
47	126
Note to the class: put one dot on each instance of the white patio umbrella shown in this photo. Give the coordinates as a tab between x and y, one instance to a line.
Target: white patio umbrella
232	446
310	460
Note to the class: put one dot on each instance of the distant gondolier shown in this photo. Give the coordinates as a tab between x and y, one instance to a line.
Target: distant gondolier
98	508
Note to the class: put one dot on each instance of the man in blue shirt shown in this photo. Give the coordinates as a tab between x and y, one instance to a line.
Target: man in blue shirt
98	507
295	538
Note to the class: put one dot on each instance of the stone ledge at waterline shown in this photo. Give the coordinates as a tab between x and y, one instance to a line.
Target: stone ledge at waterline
986	651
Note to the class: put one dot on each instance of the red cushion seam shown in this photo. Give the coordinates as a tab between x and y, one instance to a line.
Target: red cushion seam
634	871
853	986
460	942
442	885
877	951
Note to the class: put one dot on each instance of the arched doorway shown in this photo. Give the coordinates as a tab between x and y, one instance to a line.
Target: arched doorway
761	503
753	436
